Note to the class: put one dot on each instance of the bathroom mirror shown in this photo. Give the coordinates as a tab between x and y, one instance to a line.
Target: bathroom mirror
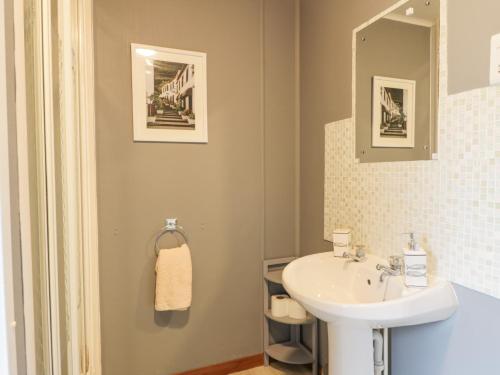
396	83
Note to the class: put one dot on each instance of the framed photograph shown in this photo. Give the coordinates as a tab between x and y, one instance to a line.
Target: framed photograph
393	118
169	89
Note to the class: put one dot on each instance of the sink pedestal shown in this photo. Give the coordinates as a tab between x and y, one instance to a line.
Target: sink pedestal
350	349
350	298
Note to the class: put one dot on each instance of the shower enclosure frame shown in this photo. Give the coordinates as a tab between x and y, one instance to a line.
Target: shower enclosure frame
77	66
90	318
8	340
63	59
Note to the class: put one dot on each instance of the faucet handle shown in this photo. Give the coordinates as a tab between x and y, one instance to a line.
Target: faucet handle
396	262
359	250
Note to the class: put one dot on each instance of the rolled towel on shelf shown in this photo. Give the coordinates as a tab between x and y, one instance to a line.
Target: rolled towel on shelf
174	279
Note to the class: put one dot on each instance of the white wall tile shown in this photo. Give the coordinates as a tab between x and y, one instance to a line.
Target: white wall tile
453	203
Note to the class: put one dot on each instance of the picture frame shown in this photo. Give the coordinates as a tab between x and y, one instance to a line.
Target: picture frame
169	94
393	117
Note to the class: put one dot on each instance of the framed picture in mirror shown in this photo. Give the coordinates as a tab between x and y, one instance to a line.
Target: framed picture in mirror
393	118
396	83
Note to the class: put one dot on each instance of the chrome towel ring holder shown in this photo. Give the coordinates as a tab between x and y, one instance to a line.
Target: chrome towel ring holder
172	227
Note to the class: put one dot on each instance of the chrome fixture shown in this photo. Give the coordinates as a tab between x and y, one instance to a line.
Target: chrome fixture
171	226
395	267
358	256
410	11
412	245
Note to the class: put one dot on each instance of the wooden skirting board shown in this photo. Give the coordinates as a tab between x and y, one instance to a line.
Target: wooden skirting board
225	368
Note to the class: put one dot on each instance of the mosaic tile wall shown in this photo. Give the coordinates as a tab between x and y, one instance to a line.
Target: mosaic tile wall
452	203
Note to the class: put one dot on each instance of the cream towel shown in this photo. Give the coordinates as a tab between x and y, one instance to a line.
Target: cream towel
173	279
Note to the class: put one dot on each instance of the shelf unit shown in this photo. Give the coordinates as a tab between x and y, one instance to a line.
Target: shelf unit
286	347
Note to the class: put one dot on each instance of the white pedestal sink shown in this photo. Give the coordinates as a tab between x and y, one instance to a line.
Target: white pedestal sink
350	297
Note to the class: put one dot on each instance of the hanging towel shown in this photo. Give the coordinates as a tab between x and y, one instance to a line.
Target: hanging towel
173	279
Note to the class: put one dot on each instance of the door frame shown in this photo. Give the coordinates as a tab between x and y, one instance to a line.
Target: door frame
88	185
79	178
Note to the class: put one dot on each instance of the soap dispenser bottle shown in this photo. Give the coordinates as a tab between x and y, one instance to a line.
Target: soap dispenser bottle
415	260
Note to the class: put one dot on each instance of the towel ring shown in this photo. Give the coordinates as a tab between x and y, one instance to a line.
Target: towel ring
172	227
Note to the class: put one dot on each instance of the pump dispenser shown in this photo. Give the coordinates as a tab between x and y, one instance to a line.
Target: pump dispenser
415	259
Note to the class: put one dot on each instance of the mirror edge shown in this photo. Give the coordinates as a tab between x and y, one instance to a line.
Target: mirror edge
441	61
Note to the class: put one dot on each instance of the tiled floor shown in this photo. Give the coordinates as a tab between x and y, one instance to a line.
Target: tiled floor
276	369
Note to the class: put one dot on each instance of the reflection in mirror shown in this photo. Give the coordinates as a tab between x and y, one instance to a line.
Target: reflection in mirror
396	84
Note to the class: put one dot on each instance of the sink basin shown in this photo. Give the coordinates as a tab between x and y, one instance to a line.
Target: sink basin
350	297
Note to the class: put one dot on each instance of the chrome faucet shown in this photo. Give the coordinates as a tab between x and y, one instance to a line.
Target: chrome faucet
358	256
395	268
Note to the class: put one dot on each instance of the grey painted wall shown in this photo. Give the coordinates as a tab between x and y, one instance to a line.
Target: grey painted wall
281	128
235	195
325	80
325	77
471	25
465	344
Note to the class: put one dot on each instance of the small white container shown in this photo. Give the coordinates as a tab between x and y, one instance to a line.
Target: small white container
415	267
341	241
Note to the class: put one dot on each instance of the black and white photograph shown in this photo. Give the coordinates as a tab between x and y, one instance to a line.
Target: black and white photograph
393	123
170	92
169	89
394	108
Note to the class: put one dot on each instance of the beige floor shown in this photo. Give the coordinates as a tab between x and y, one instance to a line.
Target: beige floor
276	369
